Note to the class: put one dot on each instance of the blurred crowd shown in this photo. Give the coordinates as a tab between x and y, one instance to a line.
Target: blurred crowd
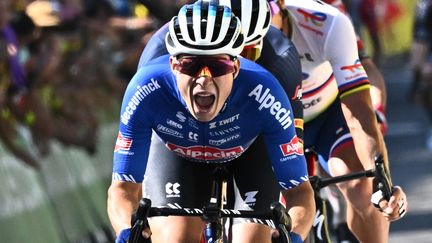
64	66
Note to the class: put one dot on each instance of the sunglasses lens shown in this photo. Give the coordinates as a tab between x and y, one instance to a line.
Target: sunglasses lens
192	66
189	66
219	67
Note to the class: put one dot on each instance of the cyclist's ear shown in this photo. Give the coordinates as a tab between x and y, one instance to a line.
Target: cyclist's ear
173	63
237	68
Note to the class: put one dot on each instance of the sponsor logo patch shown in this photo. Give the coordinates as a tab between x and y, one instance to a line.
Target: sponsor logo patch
293	147
122	143
315	18
181	116
353	68
169	131
205	152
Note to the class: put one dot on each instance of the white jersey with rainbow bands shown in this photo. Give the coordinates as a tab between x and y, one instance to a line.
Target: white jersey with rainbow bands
326	42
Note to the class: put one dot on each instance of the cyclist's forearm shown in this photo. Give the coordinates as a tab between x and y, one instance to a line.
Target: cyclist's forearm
361	120
301	208
122	201
378	90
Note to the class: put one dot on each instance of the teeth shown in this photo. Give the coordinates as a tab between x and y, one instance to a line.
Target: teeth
204	95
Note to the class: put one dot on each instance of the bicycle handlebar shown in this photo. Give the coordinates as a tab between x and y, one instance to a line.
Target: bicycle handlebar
380	174
319	183
277	213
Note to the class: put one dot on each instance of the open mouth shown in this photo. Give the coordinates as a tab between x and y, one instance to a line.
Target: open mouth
204	101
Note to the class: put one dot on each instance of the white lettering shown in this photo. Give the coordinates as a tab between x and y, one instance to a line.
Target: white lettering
268	101
136	99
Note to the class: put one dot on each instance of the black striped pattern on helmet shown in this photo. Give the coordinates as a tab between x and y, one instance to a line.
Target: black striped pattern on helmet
205	28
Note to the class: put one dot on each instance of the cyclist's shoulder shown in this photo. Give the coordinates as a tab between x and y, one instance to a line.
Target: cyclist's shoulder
156	66
311	10
155	47
276	44
317	21
316	17
158	70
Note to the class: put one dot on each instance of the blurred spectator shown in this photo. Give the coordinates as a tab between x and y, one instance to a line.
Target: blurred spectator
164	10
363	13
421	61
12	88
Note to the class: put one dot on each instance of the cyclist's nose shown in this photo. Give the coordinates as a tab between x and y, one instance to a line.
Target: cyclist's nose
205	72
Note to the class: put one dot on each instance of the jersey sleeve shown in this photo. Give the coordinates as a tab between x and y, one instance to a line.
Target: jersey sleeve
134	136
340	49
283	145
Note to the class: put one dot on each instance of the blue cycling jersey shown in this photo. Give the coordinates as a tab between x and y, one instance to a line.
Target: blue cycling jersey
256	106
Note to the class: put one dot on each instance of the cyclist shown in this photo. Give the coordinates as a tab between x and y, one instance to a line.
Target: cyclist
339	118
264	44
378	93
199	105
421	61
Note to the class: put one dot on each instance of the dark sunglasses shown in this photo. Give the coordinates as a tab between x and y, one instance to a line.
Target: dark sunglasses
217	66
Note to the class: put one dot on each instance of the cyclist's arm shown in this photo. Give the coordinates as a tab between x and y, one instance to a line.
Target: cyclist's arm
354	91
361	120
378	92
123	199
378	87
289	165
130	152
301	207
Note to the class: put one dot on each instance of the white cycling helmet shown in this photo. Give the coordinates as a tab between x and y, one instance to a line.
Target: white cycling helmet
205	28
255	16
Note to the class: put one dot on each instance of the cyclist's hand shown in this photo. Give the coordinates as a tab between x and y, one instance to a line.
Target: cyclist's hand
146	233
294	237
123	236
395	208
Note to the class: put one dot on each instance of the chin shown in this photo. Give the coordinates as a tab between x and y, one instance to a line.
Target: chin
205	117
